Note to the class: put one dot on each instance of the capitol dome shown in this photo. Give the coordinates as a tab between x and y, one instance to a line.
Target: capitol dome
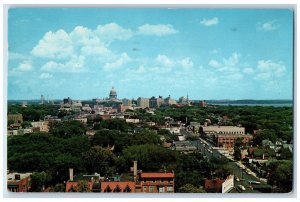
113	93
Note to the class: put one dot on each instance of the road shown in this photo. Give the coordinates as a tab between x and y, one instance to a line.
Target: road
239	170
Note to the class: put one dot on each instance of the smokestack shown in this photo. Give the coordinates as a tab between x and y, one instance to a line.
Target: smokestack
134	170
71	174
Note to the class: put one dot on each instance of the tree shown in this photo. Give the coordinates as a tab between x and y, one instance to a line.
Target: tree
150	157
58	188
82	186
38	181
237	148
26	124
99	160
286	154
188	188
66	129
281	175
263	135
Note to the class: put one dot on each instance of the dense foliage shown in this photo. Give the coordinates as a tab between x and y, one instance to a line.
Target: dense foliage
117	144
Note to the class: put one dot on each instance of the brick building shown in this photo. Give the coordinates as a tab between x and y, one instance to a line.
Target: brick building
18	182
156	182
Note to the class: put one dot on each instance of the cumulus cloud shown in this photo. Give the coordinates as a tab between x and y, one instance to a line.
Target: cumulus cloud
227	65
165	61
232	60
209	22
54	45
75	64
124	58
267	26
157	30
268	69
214	63
46	76
113	31
25	66
186	63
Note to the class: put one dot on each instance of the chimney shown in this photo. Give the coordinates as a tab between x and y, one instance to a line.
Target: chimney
205	123
71	174
134	170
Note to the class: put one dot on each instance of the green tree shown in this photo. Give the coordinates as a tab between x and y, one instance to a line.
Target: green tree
66	129
38	181
189	188
150	157
237	148
82	186
99	160
281	175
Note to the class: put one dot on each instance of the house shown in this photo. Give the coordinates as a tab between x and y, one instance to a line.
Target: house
184	146
214	185
155	182
127	186
268	144
18	182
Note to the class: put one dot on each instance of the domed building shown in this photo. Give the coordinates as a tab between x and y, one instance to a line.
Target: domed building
113	94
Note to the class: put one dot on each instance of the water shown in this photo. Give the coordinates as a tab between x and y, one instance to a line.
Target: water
253	105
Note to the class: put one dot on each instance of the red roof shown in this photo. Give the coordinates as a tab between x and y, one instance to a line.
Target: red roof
157	175
122	186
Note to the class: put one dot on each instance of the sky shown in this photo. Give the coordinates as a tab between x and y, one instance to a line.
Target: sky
203	53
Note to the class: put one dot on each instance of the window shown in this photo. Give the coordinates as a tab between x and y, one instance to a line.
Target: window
151	189
169	188
144	188
161	189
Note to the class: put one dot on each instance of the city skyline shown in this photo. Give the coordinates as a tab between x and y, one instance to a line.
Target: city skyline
205	53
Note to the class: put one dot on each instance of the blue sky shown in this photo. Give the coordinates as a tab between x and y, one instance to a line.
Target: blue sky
205	53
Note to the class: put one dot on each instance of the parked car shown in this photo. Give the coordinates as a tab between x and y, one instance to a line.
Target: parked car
253	182
241	187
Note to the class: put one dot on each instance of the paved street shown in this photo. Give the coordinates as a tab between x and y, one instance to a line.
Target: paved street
243	174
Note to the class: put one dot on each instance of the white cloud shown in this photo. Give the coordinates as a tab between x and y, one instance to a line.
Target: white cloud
209	22
46	76
124	58
232	60
83	36
54	45
267	26
165	61
268	69
248	70
95	50
186	63
25	66
214	63
157	30
75	64
229	65
112	31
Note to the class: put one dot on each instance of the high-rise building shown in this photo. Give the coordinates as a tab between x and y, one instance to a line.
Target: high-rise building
126	102
42	99
156	102
143	102
170	101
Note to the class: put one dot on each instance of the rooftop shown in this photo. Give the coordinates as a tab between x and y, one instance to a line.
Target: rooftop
157	175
